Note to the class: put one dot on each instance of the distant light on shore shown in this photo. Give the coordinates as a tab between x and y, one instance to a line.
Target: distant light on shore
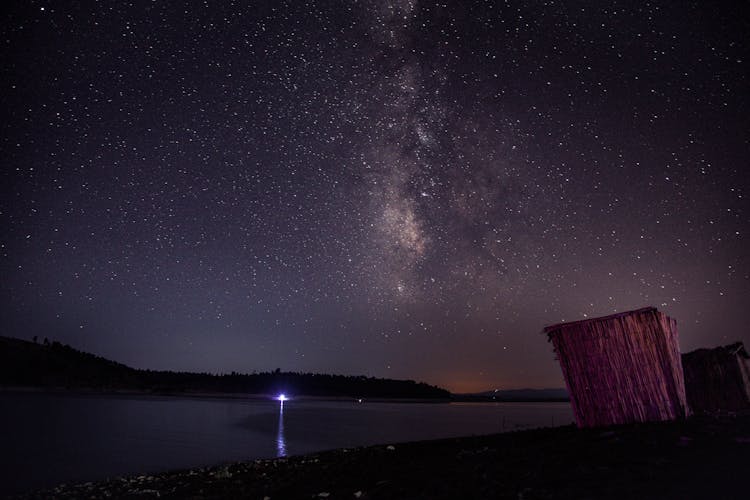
282	397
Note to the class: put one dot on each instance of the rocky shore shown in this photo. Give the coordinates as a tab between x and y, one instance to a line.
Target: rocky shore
699	458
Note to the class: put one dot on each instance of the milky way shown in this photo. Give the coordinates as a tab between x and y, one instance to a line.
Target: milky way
400	189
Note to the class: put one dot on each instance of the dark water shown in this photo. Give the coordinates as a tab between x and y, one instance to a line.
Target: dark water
46	439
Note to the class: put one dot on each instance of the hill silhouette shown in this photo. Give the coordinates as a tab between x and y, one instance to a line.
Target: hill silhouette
54	365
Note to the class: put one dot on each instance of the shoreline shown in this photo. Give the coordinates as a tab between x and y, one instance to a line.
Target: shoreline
702	457
204	395
80	391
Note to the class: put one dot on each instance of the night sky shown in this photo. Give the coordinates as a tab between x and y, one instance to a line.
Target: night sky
398	189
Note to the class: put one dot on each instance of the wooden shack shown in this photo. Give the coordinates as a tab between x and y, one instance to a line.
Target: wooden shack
717	379
621	368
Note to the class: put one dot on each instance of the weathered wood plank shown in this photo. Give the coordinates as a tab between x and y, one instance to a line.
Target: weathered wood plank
717	379
622	368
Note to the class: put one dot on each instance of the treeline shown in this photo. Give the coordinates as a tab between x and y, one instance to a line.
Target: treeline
53	364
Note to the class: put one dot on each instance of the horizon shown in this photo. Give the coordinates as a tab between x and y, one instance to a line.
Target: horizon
40	342
387	188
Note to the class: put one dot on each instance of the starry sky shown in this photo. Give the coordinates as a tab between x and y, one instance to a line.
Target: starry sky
399	189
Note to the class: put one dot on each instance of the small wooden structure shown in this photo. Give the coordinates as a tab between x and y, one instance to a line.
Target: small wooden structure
717	379
621	368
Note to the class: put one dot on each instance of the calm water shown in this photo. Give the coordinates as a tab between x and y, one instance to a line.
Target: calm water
46	439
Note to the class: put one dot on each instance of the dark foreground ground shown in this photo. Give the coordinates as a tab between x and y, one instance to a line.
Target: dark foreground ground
700	458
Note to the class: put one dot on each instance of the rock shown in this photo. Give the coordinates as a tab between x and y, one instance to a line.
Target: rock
146	492
357	494
223	473
390	447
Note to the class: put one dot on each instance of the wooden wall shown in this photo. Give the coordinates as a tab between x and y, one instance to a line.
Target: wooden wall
717	379
622	368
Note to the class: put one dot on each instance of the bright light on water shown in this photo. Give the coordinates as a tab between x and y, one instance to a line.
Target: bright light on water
280	440
282	397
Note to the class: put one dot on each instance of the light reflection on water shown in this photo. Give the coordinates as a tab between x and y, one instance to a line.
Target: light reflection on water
66	437
280	441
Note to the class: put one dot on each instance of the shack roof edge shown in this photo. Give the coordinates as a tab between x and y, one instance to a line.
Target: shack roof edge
567	324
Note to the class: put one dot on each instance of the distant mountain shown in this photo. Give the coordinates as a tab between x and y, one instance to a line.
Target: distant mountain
516	395
54	365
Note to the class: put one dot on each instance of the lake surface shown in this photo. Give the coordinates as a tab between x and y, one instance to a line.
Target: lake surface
46	439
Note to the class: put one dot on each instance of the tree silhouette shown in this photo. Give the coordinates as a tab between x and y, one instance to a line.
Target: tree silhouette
57	365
